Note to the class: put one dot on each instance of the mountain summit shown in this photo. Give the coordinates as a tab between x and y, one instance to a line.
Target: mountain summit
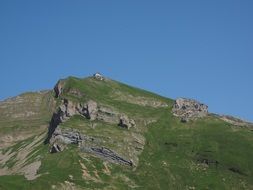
97	133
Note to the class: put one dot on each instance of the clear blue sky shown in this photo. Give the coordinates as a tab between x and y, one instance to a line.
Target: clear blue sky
201	49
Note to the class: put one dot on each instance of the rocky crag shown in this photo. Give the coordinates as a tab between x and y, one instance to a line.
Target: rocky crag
90	110
188	109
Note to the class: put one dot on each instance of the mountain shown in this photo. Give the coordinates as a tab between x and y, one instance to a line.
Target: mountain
97	133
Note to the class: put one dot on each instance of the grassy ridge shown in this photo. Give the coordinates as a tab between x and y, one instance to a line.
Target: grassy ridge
203	154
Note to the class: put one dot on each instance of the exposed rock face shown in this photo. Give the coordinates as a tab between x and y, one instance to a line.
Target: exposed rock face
69	109
126	122
55	148
189	109
92	110
89	110
63	137
67	136
58	88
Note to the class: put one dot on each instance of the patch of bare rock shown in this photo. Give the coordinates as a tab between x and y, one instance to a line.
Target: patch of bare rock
188	109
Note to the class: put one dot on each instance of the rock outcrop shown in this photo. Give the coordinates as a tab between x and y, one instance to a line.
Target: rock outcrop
62	137
125	122
67	136
55	148
58	88
91	110
108	154
69	109
188	109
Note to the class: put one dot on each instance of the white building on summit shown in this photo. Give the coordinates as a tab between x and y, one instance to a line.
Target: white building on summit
98	76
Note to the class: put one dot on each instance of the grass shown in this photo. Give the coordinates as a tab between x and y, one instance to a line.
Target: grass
178	147
26	114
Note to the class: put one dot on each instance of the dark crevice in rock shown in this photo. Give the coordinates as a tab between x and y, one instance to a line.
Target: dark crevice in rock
108	154
55	121
55	148
58	88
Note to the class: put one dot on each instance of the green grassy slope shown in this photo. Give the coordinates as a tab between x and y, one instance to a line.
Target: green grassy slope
24	116
204	154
